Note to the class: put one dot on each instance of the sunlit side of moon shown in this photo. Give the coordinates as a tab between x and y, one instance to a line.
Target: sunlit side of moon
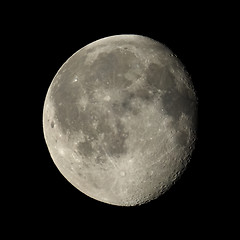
119	119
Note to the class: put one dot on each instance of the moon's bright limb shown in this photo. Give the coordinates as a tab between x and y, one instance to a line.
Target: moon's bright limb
119	119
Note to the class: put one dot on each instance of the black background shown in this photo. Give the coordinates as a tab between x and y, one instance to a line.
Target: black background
44	38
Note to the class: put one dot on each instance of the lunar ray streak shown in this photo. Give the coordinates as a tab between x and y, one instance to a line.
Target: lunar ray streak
114	184
159	160
108	156
135	84
164	155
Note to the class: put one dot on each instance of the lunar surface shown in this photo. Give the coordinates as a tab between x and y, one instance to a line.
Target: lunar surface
119	119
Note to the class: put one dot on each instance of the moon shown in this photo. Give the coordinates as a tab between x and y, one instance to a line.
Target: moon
119	119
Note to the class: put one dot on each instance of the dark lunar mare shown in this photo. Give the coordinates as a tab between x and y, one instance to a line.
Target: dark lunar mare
72	119
106	68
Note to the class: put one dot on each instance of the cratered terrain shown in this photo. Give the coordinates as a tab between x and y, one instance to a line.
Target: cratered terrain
119	119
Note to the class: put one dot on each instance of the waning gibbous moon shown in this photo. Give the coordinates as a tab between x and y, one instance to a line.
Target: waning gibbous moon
119	119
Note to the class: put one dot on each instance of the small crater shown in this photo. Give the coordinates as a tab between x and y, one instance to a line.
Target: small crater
52	124
107	98
122	173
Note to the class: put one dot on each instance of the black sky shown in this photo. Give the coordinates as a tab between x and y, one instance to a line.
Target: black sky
42	39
